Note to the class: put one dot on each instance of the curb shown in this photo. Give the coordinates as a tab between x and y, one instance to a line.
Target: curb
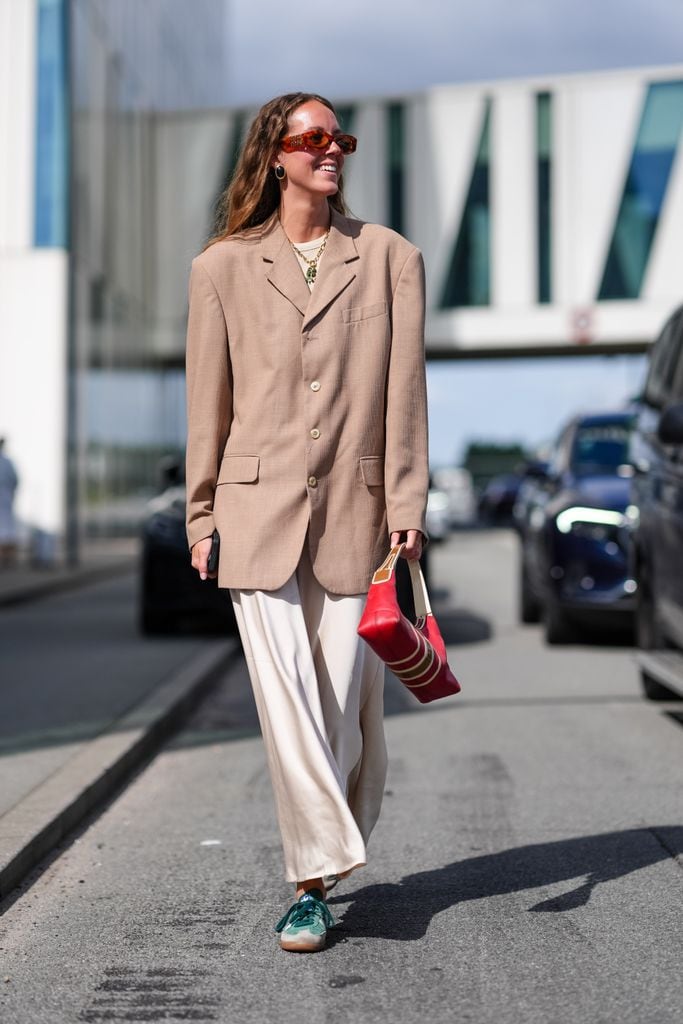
34	590
32	828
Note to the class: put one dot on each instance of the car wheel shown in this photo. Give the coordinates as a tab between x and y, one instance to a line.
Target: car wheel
559	629
529	607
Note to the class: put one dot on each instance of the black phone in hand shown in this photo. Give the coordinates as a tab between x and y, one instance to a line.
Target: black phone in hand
212	563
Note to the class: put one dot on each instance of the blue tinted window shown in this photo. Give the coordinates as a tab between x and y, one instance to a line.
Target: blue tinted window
467	280
600	449
644	191
50	223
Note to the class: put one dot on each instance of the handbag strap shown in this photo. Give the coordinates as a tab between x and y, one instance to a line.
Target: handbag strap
420	595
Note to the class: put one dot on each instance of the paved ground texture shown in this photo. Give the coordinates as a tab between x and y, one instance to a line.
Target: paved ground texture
527	866
71	665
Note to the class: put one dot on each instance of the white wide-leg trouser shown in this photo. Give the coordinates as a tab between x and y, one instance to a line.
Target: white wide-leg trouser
319	693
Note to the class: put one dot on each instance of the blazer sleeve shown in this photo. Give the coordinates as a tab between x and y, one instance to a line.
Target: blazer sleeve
406	463
209	401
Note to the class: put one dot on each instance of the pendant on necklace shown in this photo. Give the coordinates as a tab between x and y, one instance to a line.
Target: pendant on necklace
310	273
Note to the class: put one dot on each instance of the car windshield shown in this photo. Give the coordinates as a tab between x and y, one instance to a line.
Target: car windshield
601	448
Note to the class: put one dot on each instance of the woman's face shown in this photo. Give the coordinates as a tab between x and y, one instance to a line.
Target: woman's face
310	170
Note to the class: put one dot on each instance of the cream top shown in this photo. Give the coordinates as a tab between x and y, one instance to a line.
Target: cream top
309	249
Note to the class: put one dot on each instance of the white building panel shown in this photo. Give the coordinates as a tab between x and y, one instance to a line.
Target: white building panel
603	118
513	198
594	128
33	295
628	322
365	173
444	162
17	124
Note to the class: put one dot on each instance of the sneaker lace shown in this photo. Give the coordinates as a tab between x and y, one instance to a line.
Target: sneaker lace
305	912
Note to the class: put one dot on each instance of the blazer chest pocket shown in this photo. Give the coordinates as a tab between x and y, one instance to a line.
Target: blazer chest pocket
372	470
357	313
238	469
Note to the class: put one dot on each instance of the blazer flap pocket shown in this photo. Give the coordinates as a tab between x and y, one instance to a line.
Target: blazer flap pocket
372	469
238	469
356	313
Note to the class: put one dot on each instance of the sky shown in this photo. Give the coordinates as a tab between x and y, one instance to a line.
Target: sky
521	400
365	47
362	48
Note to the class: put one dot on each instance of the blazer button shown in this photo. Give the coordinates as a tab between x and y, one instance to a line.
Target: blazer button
315	385
312	482
315	433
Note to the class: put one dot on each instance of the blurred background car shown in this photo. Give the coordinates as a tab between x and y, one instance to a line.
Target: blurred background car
498	498
574	541
532	471
172	598
657	548
437	517
456	483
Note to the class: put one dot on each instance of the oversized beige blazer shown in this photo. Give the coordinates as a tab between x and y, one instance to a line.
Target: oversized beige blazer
307	411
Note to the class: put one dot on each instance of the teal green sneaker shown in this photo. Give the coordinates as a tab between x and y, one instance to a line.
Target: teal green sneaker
303	929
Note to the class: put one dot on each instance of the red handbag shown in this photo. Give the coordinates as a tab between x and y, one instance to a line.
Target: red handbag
416	654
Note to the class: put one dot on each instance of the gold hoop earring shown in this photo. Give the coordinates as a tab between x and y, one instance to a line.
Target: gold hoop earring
280	172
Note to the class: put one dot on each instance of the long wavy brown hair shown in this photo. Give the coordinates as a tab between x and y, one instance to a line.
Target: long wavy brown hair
253	193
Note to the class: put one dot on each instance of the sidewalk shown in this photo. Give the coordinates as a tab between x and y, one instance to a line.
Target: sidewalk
86	699
99	560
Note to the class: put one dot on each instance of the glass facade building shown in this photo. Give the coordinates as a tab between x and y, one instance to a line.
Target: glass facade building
134	66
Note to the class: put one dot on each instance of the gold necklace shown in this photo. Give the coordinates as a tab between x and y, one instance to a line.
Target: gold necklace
311	265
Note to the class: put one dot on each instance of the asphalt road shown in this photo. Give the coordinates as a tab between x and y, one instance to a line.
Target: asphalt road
527	866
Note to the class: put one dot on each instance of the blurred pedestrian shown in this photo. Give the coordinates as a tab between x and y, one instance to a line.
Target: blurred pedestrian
9	482
307	450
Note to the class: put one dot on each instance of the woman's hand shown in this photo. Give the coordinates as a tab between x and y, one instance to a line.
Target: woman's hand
200	556
413	548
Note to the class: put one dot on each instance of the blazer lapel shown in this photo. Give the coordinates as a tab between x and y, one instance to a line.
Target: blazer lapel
337	268
282	267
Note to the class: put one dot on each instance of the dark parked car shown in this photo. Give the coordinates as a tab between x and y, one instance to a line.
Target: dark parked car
497	500
574	564
657	453
171	596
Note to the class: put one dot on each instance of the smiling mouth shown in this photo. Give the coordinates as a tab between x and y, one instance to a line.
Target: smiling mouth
332	168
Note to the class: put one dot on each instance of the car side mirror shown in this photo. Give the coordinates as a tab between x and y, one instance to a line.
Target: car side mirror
670	428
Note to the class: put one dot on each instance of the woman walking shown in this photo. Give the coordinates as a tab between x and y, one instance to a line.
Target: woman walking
307	452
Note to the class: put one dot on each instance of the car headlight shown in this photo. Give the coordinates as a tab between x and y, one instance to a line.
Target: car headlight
569	518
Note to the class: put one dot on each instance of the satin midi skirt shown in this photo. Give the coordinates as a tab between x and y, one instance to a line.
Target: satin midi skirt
319	694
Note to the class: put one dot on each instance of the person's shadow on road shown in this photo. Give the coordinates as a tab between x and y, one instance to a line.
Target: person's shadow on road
404	910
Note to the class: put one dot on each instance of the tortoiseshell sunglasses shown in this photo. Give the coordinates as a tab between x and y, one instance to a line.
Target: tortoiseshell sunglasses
316	138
